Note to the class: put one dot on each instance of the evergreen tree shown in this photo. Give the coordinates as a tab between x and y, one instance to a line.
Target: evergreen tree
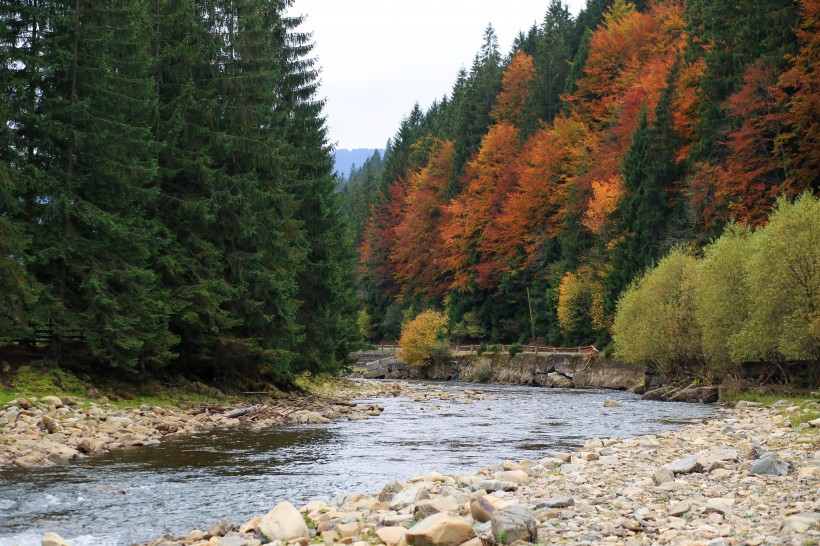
730	37
552	62
83	143
650	169
326	314
236	246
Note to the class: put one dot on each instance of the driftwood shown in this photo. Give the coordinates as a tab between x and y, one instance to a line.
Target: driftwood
241	411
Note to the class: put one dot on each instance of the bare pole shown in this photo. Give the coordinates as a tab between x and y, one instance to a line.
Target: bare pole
532	324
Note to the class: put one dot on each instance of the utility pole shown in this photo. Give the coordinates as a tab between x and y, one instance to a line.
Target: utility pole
532	324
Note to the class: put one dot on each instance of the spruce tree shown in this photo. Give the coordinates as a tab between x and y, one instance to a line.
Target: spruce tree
83	143
326	313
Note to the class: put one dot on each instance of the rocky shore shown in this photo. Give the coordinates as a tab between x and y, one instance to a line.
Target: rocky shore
38	432
745	478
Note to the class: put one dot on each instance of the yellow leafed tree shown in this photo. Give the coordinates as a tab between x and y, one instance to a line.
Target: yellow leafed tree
423	339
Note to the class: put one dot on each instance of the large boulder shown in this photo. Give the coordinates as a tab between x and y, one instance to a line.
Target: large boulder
283	522
513	524
440	530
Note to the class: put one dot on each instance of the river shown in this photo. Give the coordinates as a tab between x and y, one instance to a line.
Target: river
143	493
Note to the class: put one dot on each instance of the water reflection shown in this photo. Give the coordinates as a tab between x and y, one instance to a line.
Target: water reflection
143	493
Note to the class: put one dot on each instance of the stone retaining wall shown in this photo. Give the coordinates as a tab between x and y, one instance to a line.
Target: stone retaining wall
540	370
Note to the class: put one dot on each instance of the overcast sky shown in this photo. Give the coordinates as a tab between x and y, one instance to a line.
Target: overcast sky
379	57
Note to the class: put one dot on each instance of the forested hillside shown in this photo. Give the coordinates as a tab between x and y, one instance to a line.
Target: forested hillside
166	188
552	176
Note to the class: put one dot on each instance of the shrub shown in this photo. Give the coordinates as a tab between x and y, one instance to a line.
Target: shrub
482	370
481	349
655	318
516	349
423	339
784	276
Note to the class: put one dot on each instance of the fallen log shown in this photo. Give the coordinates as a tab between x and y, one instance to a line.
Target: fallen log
240	412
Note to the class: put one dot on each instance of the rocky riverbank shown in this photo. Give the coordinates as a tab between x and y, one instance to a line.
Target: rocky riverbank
38	432
746	478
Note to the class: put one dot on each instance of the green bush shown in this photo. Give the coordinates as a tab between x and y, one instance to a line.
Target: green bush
516	349
482	370
655	318
481	349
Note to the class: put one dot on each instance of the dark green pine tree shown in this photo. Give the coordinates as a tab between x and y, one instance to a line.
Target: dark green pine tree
576	69
90	170
647	210
236	247
327	307
483	86
552	62
19	41
398	157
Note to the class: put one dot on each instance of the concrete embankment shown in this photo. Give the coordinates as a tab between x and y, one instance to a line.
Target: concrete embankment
564	370
746	478
583	370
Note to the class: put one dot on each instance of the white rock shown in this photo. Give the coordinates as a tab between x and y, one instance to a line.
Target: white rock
440	530
283	522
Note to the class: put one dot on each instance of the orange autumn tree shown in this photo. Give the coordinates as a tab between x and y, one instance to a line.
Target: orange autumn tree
534	210
489	179
511	102
418	252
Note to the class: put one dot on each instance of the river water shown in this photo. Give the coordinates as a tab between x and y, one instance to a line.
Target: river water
143	493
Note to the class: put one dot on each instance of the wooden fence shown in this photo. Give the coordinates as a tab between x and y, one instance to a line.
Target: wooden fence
536	349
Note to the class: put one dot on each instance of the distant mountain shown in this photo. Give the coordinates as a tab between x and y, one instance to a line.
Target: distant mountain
346	158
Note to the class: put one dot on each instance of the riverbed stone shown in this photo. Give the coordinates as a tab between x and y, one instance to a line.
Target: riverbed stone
769	465
513	524
406	497
556	502
662	475
685	465
428	507
562	456
491	486
440	530
515	476
391	536
53	539
390	488
283	522
236	539
800	523
610	403
51	401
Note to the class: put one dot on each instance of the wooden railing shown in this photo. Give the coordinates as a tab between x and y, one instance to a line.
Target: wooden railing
46	333
536	349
